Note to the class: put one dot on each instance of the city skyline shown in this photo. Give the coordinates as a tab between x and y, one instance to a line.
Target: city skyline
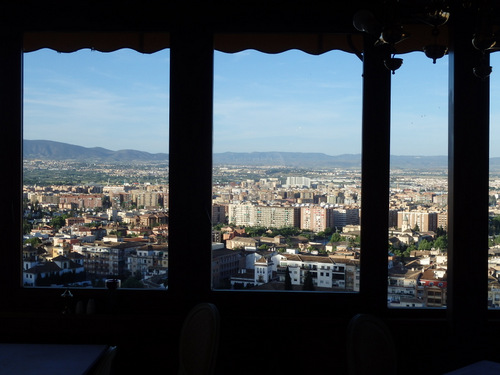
262	102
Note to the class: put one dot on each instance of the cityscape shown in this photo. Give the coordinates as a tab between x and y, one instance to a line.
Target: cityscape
274	228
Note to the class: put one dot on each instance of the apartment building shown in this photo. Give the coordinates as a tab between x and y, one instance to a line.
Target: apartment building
104	259
345	216
149	260
298	182
316	218
81	200
219	213
59	271
148	199
426	221
44	198
402	283
325	271
433	286
442	220
225	263
265	216
152	219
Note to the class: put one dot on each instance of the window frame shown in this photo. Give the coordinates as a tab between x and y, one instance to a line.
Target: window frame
191	100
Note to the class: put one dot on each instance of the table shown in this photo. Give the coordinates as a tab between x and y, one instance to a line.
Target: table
48	359
479	368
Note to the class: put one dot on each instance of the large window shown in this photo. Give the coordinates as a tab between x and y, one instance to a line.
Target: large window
418	206
286	171
95	169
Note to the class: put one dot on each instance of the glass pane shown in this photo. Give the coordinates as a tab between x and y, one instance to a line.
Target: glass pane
96	169
286	173
494	201
418	213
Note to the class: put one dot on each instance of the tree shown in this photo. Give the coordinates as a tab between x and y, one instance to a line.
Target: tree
218	226
494	225
411	247
289	231
396	252
336	237
328	231
34	241
26	226
308	282
440	232
424	245
441	243
416	228
58	222
106	202
288	279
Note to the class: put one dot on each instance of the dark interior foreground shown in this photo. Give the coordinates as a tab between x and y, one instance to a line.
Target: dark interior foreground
265	332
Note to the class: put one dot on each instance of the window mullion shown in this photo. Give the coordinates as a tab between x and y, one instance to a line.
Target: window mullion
375	176
190	161
468	185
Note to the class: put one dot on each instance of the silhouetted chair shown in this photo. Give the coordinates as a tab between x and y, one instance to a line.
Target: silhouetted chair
199	340
370	347
105	363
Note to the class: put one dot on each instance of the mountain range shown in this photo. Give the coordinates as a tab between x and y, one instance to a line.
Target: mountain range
51	150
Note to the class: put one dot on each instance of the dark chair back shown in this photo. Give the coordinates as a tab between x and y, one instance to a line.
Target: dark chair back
199	340
370	347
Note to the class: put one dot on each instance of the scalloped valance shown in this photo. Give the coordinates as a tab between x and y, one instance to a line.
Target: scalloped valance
150	42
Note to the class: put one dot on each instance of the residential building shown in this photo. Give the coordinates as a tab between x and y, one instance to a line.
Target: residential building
81	200
298	182
402	283
345	216
148	260
59	271
426	221
325	271
105	259
264	216
316	218
219	213
225	263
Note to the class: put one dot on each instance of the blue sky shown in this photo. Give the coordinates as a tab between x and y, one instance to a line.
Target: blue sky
285	102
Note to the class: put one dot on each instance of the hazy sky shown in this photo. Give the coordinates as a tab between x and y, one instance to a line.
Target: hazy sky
285	102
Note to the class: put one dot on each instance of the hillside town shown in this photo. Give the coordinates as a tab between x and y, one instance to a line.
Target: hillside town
290	233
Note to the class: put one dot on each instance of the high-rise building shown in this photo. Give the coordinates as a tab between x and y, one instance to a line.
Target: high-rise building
426	221
345	216
219	213
316	218
265	216
298	181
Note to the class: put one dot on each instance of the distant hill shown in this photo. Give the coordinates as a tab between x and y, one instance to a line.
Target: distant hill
50	150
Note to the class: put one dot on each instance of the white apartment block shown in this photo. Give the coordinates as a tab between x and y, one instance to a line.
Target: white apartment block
326	272
265	216
298	181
